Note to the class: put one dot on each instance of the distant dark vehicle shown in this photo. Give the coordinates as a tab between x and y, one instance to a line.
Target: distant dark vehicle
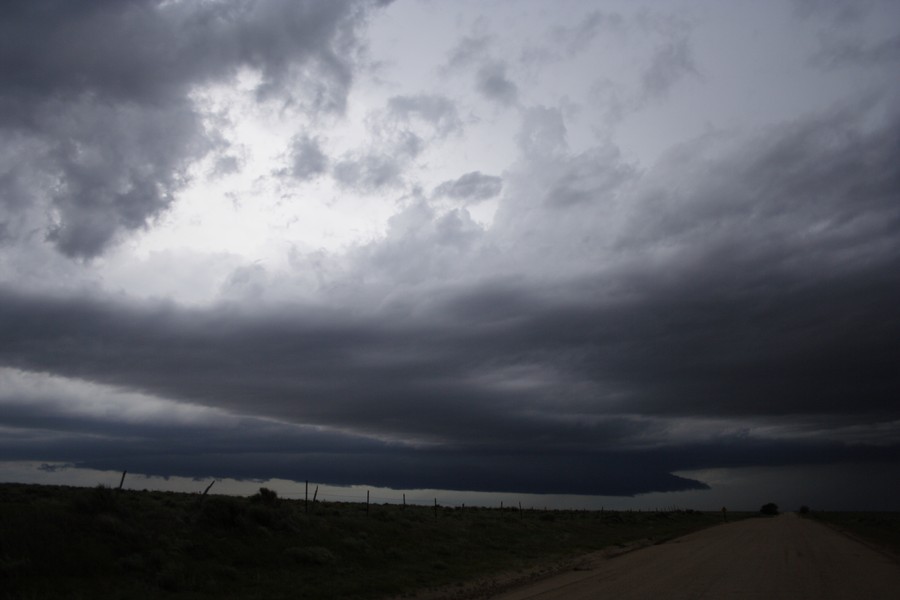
769	509
804	510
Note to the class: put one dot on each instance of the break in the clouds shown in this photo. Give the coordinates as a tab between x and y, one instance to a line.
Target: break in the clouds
96	102
579	247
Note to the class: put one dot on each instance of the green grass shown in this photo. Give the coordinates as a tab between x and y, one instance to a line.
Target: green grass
103	543
879	528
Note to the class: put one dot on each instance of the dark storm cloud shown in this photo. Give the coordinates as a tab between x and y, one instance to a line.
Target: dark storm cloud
842	52
589	176
558	351
249	448
273	454
95	97
492	82
840	12
578	37
469	50
773	297
371	171
471	188
543	133
307	159
670	64
226	165
846	36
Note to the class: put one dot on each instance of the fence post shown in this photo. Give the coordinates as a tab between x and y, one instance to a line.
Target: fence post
367	502
121	481
306	498
435	508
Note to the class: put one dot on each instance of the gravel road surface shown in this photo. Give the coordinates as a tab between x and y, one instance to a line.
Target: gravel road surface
782	557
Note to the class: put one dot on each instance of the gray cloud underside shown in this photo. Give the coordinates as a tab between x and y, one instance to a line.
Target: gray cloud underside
307	158
438	111
251	448
545	353
94	99
671	62
469	50
836	52
765	289
578	38
472	187
372	171
840	41
399	133
494	84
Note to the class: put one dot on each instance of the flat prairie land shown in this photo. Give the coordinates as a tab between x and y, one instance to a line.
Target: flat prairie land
102	543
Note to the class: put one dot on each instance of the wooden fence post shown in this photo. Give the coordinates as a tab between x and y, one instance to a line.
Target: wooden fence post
121	481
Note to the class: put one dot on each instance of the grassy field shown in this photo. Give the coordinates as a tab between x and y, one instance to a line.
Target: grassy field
104	543
879	528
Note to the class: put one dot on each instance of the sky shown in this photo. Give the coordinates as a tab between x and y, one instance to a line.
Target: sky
588	252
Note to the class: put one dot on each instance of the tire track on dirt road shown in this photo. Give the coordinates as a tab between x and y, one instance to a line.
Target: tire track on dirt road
785	557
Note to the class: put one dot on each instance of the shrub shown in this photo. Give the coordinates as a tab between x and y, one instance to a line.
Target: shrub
97	500
769	509
265	516
171	577
221	512
804	510
265	496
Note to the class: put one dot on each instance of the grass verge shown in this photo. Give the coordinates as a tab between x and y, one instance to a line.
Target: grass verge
881	529
103	543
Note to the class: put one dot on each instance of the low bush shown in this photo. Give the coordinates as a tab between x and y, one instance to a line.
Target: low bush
266	497
221	511
96	500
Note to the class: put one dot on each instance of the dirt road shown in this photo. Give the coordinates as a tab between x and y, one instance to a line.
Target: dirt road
782	557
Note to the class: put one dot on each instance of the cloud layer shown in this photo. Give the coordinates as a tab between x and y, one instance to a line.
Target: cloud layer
96	100
544	313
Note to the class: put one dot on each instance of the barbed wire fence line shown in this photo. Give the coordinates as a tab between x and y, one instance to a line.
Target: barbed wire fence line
424	501
362	495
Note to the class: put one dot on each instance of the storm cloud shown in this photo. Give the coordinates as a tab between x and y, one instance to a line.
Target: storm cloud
730	322
528	297
472	187
96	99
